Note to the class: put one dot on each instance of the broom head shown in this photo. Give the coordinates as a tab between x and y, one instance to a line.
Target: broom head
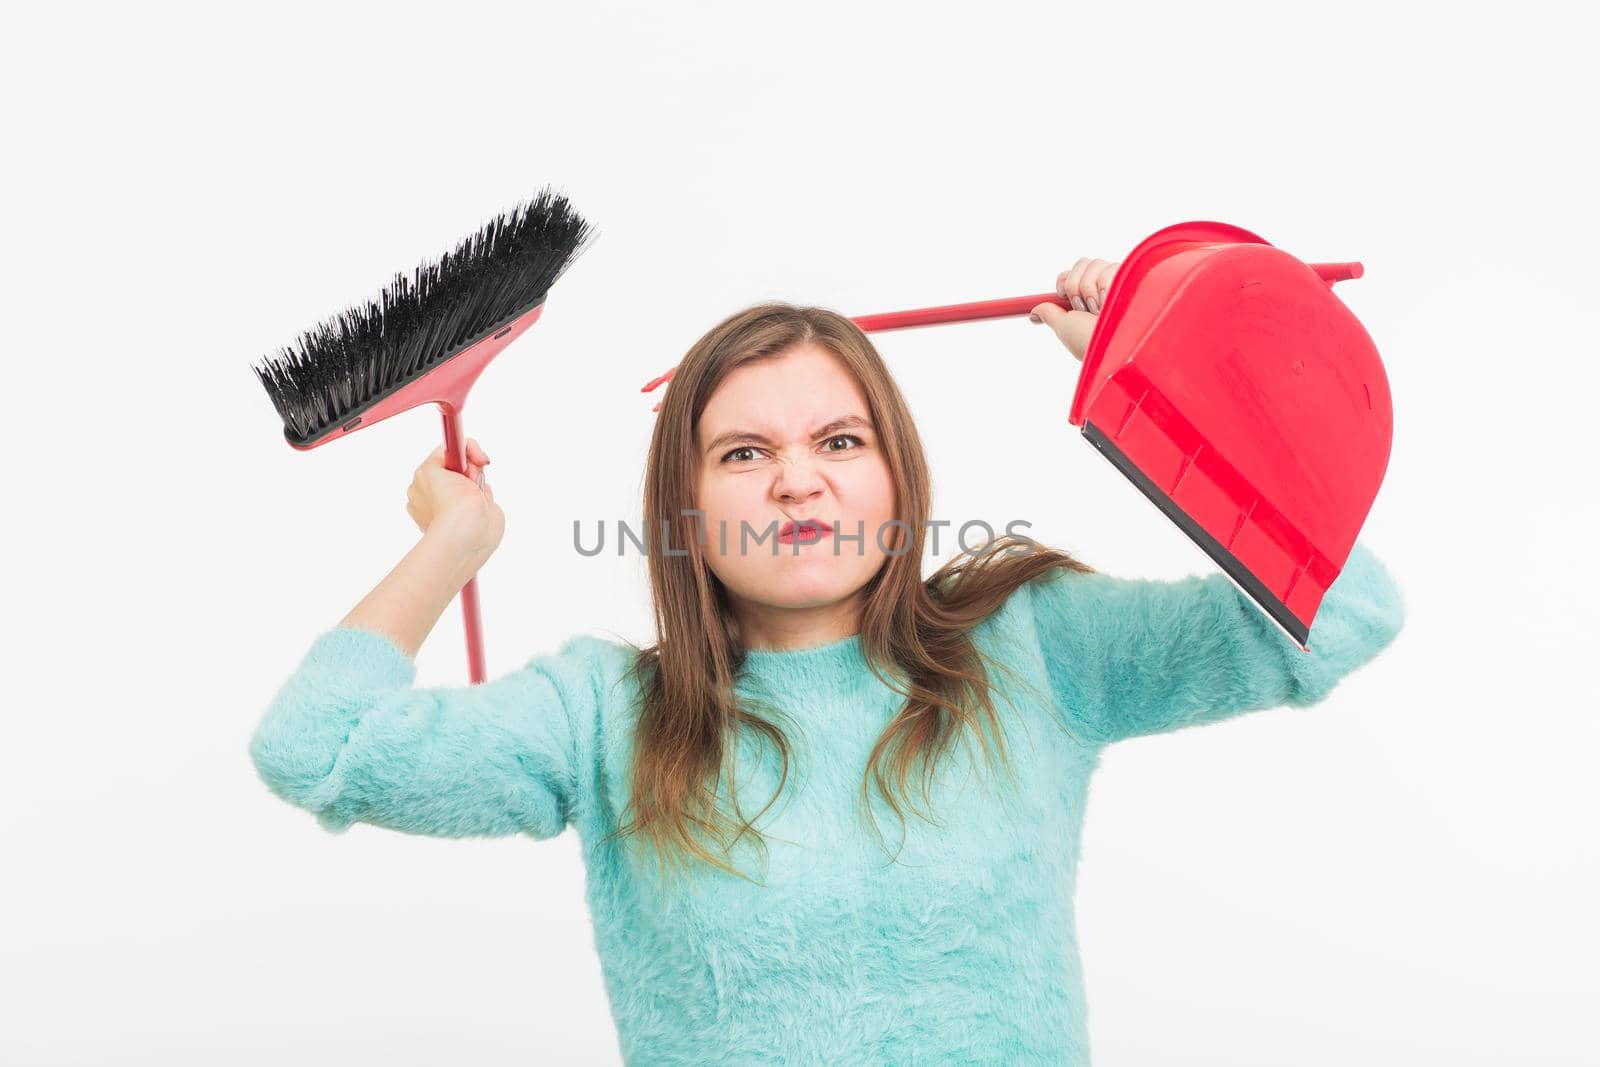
425	339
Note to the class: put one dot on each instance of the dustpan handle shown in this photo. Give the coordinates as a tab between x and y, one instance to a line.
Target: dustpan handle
974	312
900	320
1337	272
999	309
1021	305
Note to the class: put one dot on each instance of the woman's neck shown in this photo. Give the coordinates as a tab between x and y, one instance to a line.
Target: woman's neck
782	629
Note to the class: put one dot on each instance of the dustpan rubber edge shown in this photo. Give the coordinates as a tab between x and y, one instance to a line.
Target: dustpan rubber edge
1241	576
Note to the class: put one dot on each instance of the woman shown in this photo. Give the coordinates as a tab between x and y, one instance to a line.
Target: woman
818	672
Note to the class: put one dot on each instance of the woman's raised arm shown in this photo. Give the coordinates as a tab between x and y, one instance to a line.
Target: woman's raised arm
350	739
1132	656
461	527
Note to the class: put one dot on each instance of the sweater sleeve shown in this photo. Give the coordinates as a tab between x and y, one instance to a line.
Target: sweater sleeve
1127	657
350	739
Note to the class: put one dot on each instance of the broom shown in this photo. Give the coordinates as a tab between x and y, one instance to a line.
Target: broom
425	340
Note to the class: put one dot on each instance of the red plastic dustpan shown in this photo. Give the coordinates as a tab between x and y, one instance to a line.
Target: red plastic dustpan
1228	382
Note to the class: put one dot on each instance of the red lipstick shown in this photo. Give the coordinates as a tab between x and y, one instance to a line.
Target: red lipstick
806	531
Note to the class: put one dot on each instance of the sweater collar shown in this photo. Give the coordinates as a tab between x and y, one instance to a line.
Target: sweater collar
797	669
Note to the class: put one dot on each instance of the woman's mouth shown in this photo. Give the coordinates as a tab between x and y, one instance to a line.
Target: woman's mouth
806	531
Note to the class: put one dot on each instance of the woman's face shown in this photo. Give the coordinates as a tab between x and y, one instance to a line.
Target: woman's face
784	440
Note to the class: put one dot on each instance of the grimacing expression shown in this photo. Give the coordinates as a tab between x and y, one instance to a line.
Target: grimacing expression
789	438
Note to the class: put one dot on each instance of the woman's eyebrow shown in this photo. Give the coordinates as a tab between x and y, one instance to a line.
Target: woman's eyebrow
843	422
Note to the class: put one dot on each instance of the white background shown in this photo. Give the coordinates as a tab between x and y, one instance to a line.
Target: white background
1403	875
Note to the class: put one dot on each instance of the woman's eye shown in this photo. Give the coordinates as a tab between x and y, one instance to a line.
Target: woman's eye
734	455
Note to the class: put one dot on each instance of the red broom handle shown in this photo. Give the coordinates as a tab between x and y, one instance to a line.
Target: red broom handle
455	459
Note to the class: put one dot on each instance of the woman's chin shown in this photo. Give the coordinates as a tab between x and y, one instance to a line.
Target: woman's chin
805	591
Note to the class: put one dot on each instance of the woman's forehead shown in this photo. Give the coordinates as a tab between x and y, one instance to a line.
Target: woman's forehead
792	395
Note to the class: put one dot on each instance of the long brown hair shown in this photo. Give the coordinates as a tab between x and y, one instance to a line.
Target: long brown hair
689	720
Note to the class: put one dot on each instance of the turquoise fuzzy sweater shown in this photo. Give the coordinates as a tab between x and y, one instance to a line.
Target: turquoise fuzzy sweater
963	951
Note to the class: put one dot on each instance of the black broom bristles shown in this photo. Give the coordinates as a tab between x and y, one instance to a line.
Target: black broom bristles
361	355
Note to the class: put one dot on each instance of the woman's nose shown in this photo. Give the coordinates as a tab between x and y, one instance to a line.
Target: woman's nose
797	481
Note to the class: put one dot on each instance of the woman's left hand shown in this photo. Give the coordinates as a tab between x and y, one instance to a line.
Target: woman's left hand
1084	286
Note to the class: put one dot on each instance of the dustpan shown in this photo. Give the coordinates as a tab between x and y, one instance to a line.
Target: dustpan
1227	381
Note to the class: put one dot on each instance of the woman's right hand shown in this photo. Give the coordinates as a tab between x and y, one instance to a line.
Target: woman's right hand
457	505
1084	286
